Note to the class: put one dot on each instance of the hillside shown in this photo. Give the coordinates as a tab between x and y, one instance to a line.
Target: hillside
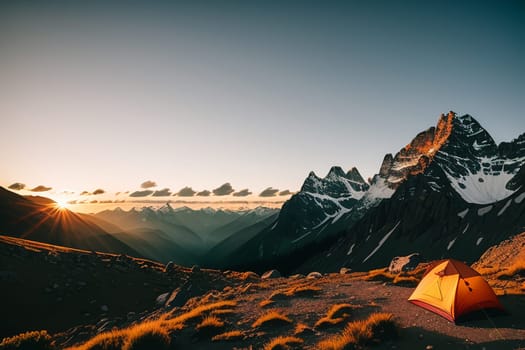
104	291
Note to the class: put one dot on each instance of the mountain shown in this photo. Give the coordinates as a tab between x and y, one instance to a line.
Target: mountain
452	191
166	233
40	219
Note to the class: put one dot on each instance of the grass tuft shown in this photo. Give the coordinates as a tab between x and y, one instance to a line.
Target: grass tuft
271	318
229	336
284	343
377	328
147	336
265	303
36	340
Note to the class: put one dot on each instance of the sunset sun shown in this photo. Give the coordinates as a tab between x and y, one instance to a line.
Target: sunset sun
61	204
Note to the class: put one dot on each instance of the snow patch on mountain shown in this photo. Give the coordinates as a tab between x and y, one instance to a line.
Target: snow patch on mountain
451	243
484	210
381	242
481	187
519	198
502	210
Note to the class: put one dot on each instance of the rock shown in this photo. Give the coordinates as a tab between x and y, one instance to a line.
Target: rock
180	295
296	276
170	267
314	275
161	299
195	269
345	270
271	274
104	308
404	263
429	347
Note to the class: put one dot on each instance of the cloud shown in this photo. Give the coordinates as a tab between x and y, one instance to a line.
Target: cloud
106	201
242	193
204	193
41	188
98	191
94	201
85	193
165	192
285	193
148	184
72	202
186	192
269	192
223	190
17	186
144	193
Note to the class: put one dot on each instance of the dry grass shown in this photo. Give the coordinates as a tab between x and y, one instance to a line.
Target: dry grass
147	336
302	291
36	340
266	302
302	328
341	310
219	312
152	330
229	336
284	343
327	322
377	328
407	281
271	318
210	322
337	314
379	275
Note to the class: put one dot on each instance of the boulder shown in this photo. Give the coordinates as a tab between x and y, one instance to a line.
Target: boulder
314	275
271	274
161	299
345	270
404	263
195	269
170	266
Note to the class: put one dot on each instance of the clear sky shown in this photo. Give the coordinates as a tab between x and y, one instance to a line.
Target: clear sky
254	93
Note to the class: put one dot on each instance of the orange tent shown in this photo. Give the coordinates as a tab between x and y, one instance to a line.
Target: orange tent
452	289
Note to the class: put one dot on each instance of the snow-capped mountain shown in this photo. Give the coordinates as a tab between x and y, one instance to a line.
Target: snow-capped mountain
412	204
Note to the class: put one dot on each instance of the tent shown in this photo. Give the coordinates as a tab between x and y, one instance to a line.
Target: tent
452	289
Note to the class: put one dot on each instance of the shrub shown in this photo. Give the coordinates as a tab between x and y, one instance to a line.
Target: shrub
36	340
283	343
271	318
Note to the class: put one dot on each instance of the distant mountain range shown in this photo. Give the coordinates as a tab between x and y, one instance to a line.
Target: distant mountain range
181	235
451	192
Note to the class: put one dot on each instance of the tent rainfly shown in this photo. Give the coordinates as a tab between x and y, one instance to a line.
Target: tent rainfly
452	289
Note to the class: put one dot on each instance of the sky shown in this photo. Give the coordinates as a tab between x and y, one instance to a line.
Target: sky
251	93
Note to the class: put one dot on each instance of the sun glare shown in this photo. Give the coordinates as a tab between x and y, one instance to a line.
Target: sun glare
61	204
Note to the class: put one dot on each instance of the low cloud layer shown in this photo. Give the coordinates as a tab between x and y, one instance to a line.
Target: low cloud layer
148	184
98	191
285	193
186	192
144	193
85	193
204	193
41	188
17	186
269	192
165	192
223	190
242	193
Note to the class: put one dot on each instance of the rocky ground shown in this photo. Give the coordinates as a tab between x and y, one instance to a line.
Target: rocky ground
41	290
